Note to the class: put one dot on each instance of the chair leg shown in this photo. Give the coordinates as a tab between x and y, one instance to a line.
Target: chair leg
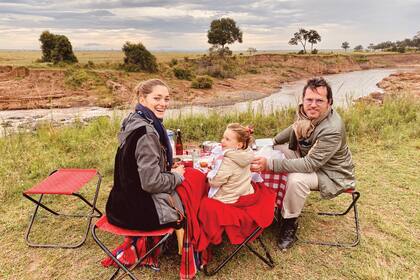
356	241
161	241
109	253
269	261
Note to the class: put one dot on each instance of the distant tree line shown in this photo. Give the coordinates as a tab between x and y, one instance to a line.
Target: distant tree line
397	46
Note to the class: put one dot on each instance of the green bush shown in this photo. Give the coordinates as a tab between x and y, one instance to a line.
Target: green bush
138	58
75	78
56	48
253	70
182	73
203	82
173	62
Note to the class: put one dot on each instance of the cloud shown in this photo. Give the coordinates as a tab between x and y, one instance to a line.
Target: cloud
266	24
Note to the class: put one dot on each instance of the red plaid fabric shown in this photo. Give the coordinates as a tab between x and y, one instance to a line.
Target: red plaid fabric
278	182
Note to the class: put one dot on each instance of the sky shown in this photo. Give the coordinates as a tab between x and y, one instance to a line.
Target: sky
183	25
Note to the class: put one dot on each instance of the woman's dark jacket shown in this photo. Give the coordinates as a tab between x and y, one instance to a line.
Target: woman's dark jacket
143	196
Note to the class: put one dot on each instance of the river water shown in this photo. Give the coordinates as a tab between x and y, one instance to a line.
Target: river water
345	86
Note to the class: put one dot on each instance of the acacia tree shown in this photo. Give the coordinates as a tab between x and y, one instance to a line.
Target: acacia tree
300	37
345	45
223	32
251	50
313	38
56	48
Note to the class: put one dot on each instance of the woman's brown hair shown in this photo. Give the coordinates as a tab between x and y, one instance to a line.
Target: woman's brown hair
146	87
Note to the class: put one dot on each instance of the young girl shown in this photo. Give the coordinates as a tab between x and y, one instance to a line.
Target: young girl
233	177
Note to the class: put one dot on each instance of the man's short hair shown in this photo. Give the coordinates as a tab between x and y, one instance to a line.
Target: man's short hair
318	82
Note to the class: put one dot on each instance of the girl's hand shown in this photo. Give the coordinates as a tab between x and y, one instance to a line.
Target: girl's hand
179	169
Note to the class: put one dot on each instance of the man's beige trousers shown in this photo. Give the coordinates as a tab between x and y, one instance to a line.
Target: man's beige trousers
299	185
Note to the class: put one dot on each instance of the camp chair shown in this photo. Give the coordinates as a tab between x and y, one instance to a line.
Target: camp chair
103	225
254	235
355	196
247	242
64	182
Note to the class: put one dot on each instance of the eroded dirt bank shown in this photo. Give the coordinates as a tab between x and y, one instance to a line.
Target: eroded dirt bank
23	88
404	82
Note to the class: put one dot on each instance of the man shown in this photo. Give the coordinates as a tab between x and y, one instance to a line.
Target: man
316	158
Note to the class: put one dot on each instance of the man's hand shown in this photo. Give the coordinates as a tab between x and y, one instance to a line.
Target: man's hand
259	164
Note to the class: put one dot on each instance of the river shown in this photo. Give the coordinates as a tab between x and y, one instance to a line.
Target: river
345	86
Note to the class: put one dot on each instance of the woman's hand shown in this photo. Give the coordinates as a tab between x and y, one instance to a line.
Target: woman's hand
179	169
258	164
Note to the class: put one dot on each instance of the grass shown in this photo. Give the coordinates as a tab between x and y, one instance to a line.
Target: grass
384	140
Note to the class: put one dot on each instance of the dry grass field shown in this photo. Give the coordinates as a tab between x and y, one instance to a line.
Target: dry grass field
29	58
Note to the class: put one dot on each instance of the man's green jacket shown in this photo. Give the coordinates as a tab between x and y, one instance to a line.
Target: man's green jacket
324	152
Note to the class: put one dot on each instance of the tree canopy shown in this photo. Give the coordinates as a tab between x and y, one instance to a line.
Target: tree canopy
345	45
303	36
56	48
138	58
313	38
223	32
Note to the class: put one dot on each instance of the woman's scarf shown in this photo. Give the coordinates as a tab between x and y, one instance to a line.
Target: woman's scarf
303	126
145	112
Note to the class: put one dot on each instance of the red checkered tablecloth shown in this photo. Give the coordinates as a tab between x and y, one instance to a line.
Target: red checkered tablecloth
278	182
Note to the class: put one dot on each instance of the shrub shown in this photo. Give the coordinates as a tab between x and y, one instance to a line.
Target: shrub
56	48
138	58
75	78
203	82
253	71
173	62
314	51
90	64
182	74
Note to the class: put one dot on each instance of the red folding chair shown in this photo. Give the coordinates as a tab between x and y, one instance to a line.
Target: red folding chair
247	242
103	225
64	182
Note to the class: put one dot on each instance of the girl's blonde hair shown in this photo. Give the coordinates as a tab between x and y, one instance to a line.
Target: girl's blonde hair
146	87
244	134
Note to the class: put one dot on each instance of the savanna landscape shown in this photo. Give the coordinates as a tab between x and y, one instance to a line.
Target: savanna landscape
383	131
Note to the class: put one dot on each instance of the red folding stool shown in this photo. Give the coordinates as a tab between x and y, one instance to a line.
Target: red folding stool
64	182
103	225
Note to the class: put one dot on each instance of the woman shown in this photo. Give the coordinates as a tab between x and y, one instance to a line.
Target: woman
143	196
